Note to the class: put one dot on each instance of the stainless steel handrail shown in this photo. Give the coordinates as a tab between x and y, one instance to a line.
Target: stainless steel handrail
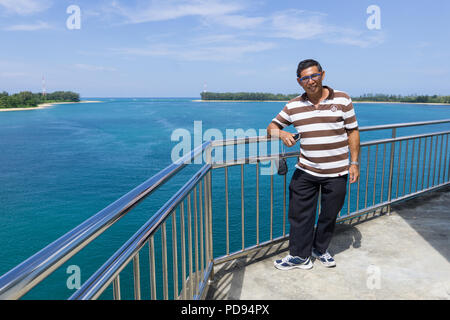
19	280
95	285
247	140
25	276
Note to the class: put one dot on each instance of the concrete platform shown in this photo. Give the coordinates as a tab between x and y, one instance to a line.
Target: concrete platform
404	255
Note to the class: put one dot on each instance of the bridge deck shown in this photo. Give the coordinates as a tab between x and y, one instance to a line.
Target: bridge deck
401	256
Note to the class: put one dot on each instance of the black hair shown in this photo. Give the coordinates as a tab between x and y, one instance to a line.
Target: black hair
305	64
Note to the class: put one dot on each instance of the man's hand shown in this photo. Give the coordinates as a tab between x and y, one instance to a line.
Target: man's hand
353	172
287	138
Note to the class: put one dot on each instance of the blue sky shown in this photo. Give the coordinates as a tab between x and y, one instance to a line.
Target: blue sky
168	48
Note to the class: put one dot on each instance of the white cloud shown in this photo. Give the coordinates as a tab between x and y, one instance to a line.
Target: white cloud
303	25
89	67
13	74
28	27
237	21
25	7
208	48
297	25
161	10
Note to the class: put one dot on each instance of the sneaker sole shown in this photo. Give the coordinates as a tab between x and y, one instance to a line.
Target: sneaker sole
301	266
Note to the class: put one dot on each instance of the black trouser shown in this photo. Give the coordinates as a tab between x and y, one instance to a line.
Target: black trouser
303	194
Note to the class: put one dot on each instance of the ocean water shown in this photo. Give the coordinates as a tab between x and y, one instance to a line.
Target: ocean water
63	164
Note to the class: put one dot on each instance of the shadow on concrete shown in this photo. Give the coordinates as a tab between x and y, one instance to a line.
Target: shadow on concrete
429	216
228	276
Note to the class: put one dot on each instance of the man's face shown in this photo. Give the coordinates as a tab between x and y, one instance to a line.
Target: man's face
314	84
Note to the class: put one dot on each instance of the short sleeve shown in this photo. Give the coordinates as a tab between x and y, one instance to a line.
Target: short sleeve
349	117
283	119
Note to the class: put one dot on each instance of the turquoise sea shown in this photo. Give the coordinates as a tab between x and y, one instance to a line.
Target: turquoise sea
62	164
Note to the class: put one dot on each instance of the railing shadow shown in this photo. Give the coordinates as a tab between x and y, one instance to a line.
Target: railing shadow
228	276
428	216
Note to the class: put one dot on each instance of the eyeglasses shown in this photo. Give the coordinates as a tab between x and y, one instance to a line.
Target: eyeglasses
315	77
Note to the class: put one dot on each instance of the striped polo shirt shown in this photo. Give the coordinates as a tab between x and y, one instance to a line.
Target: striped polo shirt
324	150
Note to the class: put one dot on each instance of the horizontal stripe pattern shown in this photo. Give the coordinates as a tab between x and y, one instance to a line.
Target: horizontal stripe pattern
323	132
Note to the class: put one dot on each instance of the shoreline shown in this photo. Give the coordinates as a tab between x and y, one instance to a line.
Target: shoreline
45	105
428	103
391	102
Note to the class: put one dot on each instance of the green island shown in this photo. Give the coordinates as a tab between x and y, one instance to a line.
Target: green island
260	96
27	99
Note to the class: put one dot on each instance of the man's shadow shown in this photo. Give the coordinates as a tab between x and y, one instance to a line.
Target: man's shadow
229	276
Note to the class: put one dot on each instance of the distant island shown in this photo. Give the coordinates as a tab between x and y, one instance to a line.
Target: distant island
239	96
260	96
27	99
405	99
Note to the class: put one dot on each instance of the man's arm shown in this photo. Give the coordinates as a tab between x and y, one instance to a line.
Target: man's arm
286	137
353	143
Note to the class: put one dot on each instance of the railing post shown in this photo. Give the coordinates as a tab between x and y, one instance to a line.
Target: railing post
391	170
208	207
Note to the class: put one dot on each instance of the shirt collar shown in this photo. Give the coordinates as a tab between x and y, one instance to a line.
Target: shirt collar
330	94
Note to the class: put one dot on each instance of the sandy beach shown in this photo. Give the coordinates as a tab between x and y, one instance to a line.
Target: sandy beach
45	105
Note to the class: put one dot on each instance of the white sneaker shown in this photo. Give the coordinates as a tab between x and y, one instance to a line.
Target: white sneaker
290	262
326	259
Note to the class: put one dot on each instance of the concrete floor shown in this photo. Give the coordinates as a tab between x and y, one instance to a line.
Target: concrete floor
401	256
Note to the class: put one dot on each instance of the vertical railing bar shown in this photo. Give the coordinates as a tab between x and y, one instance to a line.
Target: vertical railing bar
136	277
418	164
391	169
151	245
358	184
367	177
445	159
226	212
440	159
406	166
202	253
319	200
164	262
271	201
211	244
197	275
382	172
284	204
206	221
242	207
435	159
116	288
375	175
175	254
424	161
348	196
183	251
257	202
412	165
191	277
398	167
429	166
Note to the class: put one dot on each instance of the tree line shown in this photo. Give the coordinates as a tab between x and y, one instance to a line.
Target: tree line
399	98
27	99
259	96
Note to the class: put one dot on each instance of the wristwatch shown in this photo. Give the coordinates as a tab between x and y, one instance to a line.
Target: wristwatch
355	163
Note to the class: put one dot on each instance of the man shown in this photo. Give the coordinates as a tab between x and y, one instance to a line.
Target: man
328	129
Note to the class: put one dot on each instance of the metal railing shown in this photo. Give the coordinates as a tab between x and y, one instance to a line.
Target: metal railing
392	169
